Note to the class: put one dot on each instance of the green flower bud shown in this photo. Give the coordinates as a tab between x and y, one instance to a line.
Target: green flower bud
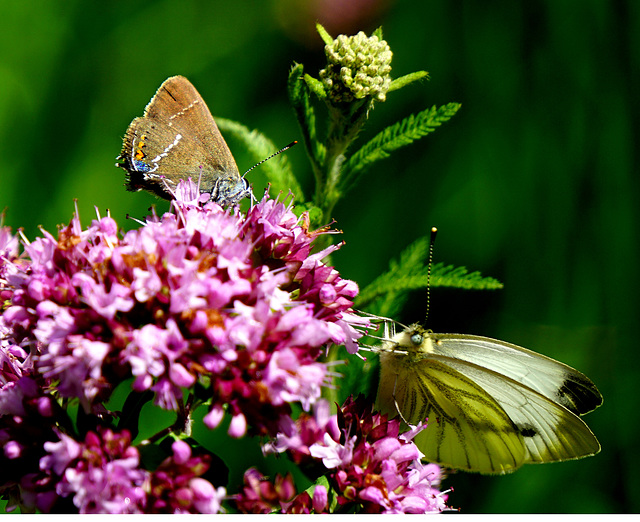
358	67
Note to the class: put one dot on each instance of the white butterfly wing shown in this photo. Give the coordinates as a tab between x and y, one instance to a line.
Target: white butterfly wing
550	431
555	380
492	406
467	429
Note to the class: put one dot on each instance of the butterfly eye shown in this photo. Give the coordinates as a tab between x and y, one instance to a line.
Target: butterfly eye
416	339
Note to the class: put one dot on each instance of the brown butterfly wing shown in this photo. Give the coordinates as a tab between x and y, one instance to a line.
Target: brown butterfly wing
177	138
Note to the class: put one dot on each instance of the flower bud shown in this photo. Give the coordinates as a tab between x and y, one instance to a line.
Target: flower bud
358	67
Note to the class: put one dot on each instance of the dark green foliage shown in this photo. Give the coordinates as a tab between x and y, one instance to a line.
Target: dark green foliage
393	137
389	291
277	169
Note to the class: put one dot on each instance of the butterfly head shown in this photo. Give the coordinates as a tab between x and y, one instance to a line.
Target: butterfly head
230	190
413	340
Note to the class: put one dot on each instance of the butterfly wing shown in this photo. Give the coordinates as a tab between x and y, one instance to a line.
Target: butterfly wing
178	105
156	157
177	138
467	429
550	432
492	406
556	381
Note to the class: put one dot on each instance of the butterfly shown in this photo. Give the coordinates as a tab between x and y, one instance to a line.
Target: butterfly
175	139
491	406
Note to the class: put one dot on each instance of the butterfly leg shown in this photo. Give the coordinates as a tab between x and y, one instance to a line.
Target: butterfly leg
395	402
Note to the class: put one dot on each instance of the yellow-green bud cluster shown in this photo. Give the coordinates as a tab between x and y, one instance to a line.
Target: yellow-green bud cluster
357	67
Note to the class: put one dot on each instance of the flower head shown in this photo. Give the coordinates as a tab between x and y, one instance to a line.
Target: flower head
177	485
358	67
261	496
199	294
369	465
226	308
102	474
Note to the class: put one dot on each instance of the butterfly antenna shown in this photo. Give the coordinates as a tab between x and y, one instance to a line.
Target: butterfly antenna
432	240
272	155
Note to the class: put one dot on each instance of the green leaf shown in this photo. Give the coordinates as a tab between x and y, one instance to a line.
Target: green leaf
294	88
300	102
399	83
315	86
459	277
326	37
391	288
393	137
277	169
388	292
131	411
378	33
151	455
315	214
357	376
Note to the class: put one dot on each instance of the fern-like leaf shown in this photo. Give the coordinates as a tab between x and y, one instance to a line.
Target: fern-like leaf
397	282
460	277
393	137
389	291
277	169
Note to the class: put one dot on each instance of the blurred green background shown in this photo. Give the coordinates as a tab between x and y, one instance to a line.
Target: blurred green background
534	182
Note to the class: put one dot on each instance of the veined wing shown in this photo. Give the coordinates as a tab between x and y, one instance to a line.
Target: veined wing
467	429
555	380
550	431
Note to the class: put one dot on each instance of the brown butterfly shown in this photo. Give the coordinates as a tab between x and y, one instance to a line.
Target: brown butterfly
177	138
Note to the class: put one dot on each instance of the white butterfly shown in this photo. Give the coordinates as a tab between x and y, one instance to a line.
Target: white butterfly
491	406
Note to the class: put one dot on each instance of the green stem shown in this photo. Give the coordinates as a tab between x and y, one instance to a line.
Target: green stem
345	124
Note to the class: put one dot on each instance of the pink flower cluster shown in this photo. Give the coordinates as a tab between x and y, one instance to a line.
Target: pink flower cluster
370	467
232	309
102	474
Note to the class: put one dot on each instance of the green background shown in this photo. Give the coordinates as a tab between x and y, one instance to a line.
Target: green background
534	182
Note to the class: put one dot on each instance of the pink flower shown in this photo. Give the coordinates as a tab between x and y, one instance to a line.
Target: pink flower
370	466
201	293
198	306
332	453
320	499
261	496
177	485
102	475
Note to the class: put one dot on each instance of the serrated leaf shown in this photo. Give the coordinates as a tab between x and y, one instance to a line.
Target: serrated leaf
395	136
410	272
294	89
399	83
398	281
326	37
277	169
315	86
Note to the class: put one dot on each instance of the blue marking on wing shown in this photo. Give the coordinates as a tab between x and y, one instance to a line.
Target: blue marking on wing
141	166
